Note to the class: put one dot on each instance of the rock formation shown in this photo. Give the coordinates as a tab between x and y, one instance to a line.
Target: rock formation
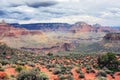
112	36
7	30
56	48
84	27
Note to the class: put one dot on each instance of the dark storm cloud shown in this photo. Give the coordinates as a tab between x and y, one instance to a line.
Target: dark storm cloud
26	18
41	4
17	12
14	5
61	10
2	13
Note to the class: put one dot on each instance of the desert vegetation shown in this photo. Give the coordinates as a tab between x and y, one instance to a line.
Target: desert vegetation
23	65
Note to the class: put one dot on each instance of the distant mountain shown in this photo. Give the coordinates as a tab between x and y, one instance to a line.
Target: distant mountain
44	26
65	27
117	28
84	27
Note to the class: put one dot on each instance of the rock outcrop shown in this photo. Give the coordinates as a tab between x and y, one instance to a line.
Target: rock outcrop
67	46
112	36
111	42
56	48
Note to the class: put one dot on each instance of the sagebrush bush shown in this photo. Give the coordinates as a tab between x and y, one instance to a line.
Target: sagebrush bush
61	77
69	77
109	71
36	70
101	78
1	69
18	68
101	73
42	76
4	62
81	75
78	70
57	71
27	76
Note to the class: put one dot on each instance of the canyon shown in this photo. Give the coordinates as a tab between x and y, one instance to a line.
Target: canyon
51	37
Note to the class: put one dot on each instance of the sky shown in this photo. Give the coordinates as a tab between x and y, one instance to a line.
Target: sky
104	12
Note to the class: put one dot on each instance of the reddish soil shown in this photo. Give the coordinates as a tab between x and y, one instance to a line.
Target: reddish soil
75	75
88	76
11	71
50	75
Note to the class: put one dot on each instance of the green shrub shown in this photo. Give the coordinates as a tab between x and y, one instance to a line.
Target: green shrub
109	60
31	64
81	75
57	71
88	67
42	76
61	77
101	78
13	65
4	62
12	76
101	73
69	77
88	71
63	70
27	76
78	70
92	71
0	65
36	70
112	75
1	69
109	72
49	66
18	69
50	54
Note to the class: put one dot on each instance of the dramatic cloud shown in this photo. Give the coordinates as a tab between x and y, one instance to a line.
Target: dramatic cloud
105	12
41	4
70	19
